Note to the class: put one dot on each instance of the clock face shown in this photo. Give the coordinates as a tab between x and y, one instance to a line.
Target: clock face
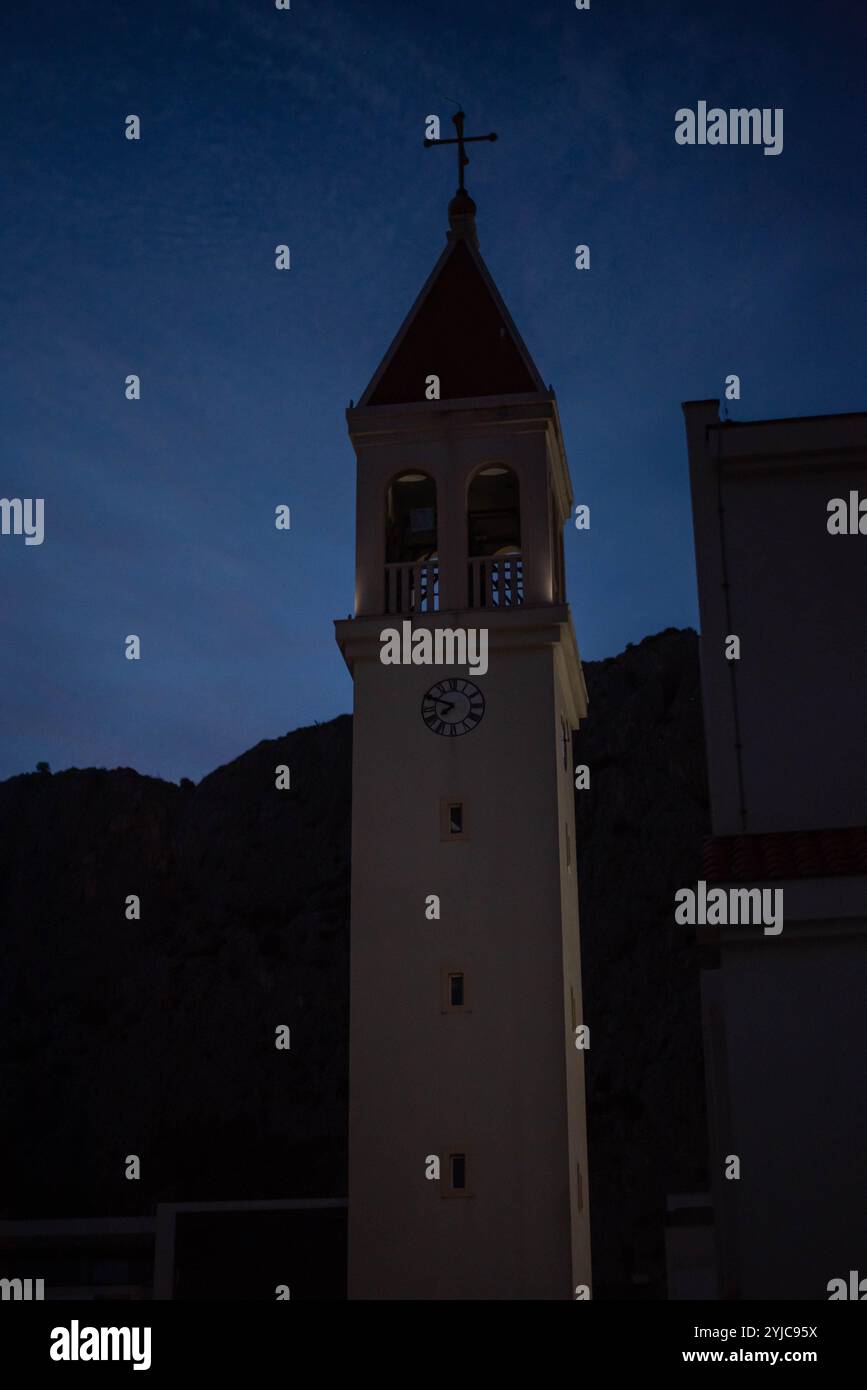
452	707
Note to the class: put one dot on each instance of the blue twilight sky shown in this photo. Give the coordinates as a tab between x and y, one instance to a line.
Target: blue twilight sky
305	127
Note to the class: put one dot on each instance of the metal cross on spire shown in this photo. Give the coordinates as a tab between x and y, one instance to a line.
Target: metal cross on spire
461	141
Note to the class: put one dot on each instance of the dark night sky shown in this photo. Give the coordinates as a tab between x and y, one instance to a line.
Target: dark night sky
261	127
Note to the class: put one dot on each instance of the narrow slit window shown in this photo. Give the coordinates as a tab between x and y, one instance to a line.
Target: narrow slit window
455	818
456	990
458	1172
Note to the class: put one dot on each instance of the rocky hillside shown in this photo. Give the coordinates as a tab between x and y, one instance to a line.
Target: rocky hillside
156	1037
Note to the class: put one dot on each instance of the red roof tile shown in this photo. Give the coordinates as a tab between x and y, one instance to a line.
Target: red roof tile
786	854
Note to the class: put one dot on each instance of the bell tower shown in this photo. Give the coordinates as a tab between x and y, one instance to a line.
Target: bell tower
467	1143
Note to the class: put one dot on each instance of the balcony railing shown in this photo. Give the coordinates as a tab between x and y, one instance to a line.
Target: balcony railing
412	587
496	581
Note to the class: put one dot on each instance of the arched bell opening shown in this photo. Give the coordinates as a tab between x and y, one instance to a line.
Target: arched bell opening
495	559
411	553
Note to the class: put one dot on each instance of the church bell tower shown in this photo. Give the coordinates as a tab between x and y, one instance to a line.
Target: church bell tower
467	1143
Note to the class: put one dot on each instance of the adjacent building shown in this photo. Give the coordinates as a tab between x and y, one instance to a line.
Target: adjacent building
786	732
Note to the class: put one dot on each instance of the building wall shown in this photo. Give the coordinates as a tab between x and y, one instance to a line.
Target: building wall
794	1017
493	1079
783	1015
796	599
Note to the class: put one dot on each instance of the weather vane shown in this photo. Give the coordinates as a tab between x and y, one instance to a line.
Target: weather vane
461	141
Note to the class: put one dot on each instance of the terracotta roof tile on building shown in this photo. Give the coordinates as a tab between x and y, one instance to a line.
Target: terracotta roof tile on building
786	854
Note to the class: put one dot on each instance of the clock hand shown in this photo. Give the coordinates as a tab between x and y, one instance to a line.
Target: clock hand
444	704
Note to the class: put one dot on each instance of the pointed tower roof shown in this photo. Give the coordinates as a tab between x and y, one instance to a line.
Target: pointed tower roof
458	329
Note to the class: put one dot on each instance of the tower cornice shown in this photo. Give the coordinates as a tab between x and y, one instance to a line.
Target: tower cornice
535	625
